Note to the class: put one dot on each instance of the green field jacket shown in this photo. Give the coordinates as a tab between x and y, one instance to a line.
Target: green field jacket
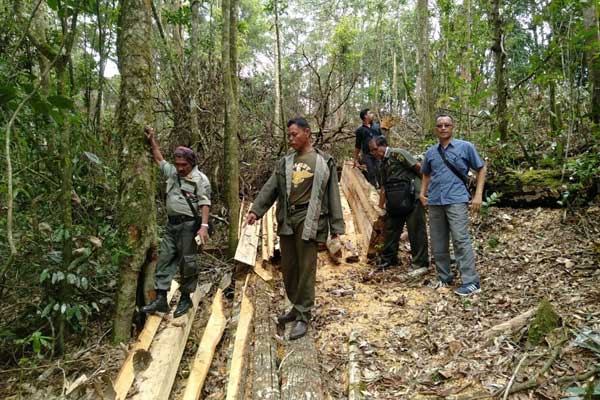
324	212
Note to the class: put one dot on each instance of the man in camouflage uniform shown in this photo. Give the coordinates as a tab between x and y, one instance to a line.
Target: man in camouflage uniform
188	202
400	164
305	185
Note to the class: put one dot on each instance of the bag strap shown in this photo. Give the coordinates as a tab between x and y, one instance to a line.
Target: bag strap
194	211
453	168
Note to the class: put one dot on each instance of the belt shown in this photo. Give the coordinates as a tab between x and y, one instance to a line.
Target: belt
179	219
298	207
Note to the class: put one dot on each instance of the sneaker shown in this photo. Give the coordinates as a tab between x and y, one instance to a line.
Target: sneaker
468	289
439	285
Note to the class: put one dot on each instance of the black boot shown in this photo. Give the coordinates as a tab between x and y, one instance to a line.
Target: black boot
283	319
298	330
158	305
184	305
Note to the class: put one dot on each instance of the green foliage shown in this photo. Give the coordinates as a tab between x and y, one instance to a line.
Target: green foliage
489	202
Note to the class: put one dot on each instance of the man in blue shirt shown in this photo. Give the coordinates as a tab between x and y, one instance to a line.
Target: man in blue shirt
444	191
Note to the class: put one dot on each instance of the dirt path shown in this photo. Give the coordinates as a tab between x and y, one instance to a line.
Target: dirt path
419	343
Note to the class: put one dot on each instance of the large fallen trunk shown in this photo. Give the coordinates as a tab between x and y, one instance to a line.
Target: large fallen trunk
156	381
363	200
300	370
533	188
265	383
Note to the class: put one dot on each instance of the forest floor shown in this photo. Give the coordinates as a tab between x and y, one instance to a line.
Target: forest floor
416	342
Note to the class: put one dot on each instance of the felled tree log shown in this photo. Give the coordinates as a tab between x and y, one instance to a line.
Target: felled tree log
363	200
531	188
300	370
210	339
265	383
156	381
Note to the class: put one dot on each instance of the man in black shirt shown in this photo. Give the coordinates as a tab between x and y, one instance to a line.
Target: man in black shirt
367	131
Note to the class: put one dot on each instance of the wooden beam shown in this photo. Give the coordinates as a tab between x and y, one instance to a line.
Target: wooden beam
239	350
127	372
247	246
156	381
206	351
263	271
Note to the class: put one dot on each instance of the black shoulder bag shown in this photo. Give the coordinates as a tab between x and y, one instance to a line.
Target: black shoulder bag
400	197
452	168
197	218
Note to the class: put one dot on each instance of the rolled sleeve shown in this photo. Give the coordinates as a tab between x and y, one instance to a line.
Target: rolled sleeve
205	190
475	161
167	169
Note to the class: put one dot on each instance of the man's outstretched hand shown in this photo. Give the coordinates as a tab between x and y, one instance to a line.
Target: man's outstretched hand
250	218
149	132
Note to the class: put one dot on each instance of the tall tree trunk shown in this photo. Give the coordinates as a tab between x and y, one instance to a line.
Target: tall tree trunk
193	81
425	108
102	57
279	119
395	103
137	182
590	20
231	142
467	68
500	71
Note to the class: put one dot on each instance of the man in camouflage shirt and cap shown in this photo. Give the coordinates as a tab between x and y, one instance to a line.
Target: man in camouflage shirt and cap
398	165
188	202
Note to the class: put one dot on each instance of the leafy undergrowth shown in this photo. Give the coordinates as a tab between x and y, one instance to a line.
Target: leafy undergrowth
419	343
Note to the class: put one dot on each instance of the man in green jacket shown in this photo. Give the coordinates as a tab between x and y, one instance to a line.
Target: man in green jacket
305	186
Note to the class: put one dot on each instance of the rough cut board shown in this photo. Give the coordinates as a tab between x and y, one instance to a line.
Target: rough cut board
248	244
206	350
127	373
242	334
156	381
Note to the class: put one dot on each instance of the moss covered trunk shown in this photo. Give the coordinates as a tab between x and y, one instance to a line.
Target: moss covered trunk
534	188
137	218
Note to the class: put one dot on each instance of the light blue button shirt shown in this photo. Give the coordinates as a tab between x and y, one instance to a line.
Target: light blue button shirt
444	186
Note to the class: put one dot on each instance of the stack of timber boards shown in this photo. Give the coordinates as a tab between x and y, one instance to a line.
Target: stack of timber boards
363	199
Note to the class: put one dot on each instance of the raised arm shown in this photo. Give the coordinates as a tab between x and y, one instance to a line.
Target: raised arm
149	132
